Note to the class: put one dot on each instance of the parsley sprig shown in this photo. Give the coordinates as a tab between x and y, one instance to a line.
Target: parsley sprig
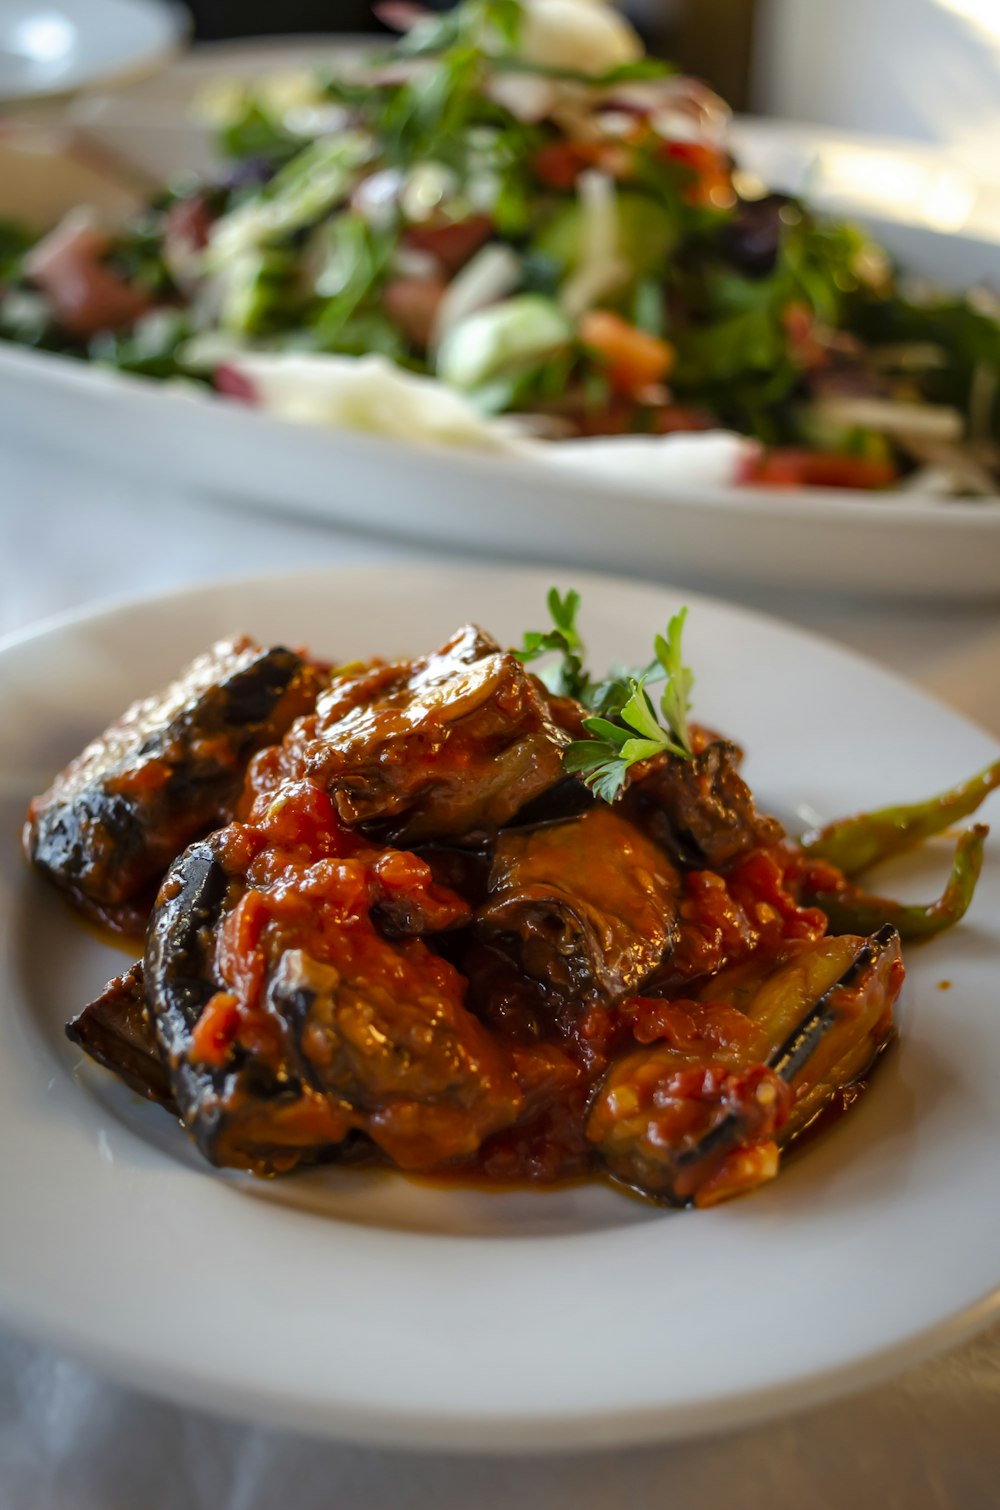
626	726
675	702
567	677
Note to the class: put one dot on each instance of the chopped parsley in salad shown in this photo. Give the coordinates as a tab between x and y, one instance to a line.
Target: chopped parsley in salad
528	210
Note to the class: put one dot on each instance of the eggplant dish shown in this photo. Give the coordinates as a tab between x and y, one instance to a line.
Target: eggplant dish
481	914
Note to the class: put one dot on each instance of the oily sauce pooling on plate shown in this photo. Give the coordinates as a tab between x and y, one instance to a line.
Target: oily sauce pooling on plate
462	919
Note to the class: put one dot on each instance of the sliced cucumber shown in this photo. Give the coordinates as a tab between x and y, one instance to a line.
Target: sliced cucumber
503	339
646	235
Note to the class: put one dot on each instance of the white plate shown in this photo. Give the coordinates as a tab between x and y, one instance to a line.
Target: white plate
941	220
374	1308
832	541
52	49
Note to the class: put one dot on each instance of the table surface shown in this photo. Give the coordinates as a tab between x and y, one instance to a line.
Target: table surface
70	1440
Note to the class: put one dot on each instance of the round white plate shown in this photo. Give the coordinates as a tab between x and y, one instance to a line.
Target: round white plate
56	48
380	1309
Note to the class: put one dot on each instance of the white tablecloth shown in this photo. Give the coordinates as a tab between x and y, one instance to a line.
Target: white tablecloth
69	1440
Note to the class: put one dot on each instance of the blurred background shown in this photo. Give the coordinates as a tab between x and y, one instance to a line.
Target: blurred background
711	37
928	70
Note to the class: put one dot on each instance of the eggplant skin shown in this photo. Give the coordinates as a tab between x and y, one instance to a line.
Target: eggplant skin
243	1115
167	771
379	1044
116	1031
587	906
180	941
448	747
701	810
667	1116
180	983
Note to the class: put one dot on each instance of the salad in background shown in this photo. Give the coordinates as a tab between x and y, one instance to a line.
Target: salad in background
513	228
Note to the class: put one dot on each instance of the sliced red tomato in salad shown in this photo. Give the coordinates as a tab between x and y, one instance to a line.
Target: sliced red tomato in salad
793	467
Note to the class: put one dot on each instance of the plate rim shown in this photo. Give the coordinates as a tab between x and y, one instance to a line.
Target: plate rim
476	1434
806	506
108	604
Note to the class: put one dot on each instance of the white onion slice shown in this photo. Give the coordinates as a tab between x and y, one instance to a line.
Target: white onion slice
370	394
585	35
894	417
529	97
601	269
703	459
493	272
414	262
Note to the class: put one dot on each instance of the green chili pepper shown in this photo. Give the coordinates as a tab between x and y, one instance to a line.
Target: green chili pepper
854	844
852	911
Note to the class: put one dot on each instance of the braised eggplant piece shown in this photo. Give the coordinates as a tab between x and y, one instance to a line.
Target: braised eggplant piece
424	1078
589	905
452	746
170	769
117	1031
703	1116
567	799
701	810
289	1021
460	868
242	1112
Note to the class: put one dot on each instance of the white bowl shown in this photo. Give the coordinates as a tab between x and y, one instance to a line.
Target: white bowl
48	49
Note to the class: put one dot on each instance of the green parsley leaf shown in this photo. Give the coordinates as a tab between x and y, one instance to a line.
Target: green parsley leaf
567	678
564	612
634	733
606	732
640	715
675	703
604	772
623	728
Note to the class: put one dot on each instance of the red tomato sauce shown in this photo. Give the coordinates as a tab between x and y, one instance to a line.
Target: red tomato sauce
313	885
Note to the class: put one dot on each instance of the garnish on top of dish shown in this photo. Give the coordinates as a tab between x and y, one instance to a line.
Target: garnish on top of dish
455	916
514	213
